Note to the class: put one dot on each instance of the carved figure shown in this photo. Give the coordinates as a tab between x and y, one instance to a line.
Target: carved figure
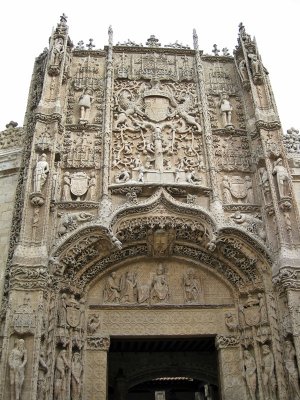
85	103
226	190
93	323
191	177
128	288
230	321
57	51
62	311
226	109
40	176
111	292
255	64
17	361
123	176
61	367
92	187
265	184
66	194
248	185
292	370
243	70
250	373
76	371
251	223
192	288
41	384
159	288
268	377
282	177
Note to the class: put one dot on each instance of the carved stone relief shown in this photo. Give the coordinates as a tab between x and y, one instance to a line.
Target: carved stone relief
232	153
237	189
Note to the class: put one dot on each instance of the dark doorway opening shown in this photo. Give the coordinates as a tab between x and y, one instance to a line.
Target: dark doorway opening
163	369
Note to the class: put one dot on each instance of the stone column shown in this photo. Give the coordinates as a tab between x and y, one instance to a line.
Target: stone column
95	373
232	386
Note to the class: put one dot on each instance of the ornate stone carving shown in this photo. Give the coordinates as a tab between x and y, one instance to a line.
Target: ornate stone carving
232	153
98	343
250	373
161	242
17	362
252	224
268	373
41	174
193	292
282	179
292	370
226	341
71	221
226	110
237	189
76	376
292	141
60	375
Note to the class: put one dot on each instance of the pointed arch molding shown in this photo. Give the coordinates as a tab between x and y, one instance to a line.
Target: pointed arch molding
189	232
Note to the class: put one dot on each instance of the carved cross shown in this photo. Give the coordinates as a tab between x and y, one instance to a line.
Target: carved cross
215	50
63	18
90	45
80	45
225	51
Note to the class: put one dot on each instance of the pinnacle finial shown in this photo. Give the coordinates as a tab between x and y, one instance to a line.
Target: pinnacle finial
195	39
63	19
110	35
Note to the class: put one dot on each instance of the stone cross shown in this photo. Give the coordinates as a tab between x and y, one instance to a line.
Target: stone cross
90	45
63	18
215	50
225	51
80	45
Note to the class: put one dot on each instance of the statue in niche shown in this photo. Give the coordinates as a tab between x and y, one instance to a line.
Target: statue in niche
17	361
41	174
292	370
265	184
61	367
57	51
248	185
282	179
226	190
111	293
268	377
92	187
255	64
262	308
159	291
66	194
226	110
76	371
85	104
41	384
128	288
250	373
62	311
243	71
192	287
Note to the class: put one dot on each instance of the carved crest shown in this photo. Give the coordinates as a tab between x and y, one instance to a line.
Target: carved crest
161	242
157	108
79	183
238	188
73	316
24	319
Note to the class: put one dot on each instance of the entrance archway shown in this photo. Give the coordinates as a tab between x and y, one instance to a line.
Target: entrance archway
171	368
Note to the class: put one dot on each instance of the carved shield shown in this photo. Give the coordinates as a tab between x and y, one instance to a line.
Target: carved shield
73	316
237	187
252	315
79	183
157	108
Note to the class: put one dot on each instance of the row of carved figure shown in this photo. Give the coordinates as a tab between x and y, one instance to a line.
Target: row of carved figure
128	290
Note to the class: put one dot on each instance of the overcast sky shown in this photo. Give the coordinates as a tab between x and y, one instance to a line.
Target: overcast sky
27	24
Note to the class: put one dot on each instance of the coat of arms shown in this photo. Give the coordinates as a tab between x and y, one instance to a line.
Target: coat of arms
79	184
238	188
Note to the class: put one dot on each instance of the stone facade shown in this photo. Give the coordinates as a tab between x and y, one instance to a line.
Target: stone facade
156	197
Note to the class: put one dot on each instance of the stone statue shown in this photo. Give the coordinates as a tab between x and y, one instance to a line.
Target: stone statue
85	103
61	368
111	292
262	308
292	370
226	190
40	176
282	177
254	61
248	185
92	187
250	373
192	287
265	184
57	51
62	311
159	292
243	70
17	361
128	288
268	377
66	194
123	176
41	384
76	371
226	110
93	323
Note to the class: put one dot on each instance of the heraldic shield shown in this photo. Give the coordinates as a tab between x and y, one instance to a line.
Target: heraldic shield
157	108
252	315
79	184
73	316
237	187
